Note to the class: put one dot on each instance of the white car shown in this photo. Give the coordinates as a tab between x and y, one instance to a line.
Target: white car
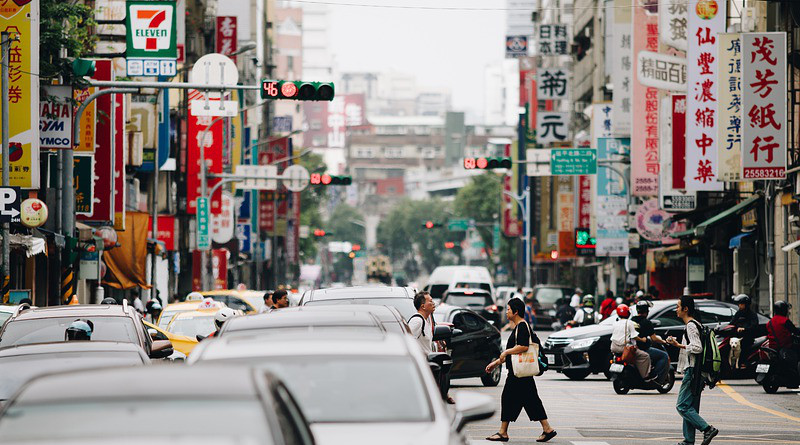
6	312
357	389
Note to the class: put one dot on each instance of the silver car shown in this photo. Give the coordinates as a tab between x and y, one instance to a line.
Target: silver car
356	389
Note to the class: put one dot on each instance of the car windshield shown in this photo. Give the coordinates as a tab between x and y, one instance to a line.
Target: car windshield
75	420
353	389
192	327
21	368
48	330
484	286
4	316
468	300
548	295
404	305
166	317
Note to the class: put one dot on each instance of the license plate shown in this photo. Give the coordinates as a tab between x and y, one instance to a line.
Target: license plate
763	368
616	367
551	358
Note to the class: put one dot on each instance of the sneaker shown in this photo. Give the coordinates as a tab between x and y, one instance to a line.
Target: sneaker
709	434
685	443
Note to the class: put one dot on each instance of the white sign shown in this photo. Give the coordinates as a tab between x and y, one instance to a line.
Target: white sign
602	118
661	71
706	20
222	223
214	69
669	198
551	127
33	212
622	63
729	113
295	178
764	105
226	108
553	83
152	27
553	40
268	172
9	204
538	162
339	247
55	117
672	25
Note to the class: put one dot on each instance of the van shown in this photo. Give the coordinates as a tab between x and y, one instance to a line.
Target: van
444	278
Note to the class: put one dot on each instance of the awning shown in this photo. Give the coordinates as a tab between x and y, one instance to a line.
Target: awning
736	241
32	245
700	229
789	247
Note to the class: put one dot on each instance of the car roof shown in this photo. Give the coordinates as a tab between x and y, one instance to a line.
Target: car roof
297	317
556	286
257	345
8	309
200	313
359	292
151	382
80	310
378	310
69	346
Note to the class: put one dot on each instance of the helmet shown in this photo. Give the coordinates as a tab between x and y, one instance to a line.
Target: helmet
222	315
588	300
623	311
781	308
643	305
153	305
639	294
108	300
578	290
194	296
79	330
742	299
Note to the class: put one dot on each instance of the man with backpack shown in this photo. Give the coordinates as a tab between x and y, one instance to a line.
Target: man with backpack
690	362
422	327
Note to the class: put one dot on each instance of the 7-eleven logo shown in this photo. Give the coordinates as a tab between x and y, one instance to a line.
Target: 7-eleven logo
151	27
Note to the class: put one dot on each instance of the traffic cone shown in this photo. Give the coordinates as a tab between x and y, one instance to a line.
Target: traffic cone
73	300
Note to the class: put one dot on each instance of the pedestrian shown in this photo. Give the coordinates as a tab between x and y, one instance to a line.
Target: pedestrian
608	305
576	298
519	392
688	404
422	327
530	312
625	335
267	303
280	300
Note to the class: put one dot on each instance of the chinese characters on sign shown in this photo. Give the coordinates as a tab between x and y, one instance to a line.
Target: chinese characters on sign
621	68
661	71
706	20
551	127
584	201
764	105
672	25
227	36
553	84
730	107
611	206
553	40
644	143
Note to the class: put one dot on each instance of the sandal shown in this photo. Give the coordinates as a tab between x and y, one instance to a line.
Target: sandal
497	437
547	436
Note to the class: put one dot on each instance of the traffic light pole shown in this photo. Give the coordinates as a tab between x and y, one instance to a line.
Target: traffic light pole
524	202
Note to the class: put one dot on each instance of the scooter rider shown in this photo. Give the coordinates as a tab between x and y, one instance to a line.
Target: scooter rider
779	332
746	323
585	314
658	357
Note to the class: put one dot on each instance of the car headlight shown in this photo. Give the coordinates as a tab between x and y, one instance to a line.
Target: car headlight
551	312
583	343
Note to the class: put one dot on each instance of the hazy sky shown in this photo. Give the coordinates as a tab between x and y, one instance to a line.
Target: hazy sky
440	47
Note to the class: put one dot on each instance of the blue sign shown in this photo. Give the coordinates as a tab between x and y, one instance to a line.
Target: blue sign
244	205
243	234
282	124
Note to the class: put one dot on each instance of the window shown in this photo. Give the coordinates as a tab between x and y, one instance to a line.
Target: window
467	322
364	152
393	152
668	318
290	418
715	314
316	125
437	290
45	330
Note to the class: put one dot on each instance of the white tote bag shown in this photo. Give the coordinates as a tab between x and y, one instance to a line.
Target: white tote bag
526	364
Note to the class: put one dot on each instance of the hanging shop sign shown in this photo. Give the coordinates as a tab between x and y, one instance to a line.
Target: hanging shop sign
55	117
103	174
661	71
621	69
553	84
553	40
151	38
33	213
672	24
644	135
611	202
729	111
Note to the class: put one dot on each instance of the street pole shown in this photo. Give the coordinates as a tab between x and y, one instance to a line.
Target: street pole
6	266
523	201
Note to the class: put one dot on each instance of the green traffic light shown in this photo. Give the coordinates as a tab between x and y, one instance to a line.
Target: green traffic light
83	67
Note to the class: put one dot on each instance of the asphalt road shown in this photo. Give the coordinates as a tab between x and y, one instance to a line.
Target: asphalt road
589	412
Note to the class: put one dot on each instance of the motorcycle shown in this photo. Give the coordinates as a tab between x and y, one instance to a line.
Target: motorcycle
729	370
774	372
625	377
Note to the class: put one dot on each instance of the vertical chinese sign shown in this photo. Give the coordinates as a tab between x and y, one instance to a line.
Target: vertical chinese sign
764	105
679	141
730	107
706	21
121	103
611	205
88	120
672	24
227	36
621	68
20	18
213	153
644	134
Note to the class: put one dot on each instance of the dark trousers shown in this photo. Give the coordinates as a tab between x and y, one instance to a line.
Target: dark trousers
521	393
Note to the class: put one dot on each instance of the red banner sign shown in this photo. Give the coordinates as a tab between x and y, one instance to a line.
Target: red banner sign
102	210
678	141
166	231
213	155
219	268
227	36
584	201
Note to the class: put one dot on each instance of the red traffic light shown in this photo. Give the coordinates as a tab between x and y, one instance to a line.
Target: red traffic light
326	179
428	224
481	163
356	247
289	89
319	232
553	254
449	245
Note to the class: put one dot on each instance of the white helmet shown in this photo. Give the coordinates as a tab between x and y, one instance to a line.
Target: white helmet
639	294
222	315
194	296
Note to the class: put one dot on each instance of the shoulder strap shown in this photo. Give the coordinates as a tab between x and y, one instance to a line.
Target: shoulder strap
422	332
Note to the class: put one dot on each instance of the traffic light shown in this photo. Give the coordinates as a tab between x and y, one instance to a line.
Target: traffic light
319	233
83	67
430	225
296	90
553	254
326	179
449	245
356	247
351	255
484	163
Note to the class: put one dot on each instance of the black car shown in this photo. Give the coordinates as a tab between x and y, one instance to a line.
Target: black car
545	298
477	344
585	350
477	300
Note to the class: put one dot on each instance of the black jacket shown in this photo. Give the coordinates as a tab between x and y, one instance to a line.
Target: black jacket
746	319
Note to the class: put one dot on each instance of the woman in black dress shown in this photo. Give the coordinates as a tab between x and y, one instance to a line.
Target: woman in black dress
519	392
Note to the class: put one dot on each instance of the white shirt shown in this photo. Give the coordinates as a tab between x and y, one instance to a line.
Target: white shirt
576	301
265	309
425	339
624	332
694	346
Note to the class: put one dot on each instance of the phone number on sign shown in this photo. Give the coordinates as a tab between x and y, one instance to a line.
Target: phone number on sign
765	173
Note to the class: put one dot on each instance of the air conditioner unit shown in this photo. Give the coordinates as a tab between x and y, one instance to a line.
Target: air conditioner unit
136	149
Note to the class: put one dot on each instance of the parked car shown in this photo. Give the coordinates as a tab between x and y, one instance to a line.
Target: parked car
291	321
401	298
173	309
383	380
156	405
581	351
118	323
445	278
22	363
545	297
474	344
477	300
247	301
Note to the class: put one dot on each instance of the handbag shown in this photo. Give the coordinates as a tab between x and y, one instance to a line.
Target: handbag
629	352
526	364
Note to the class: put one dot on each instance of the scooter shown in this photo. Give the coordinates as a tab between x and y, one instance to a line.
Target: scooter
774	372
724	336
625	377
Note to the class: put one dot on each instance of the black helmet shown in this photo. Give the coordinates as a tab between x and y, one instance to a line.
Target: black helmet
643	306
108	300
153	306
781	308
742	299
79	330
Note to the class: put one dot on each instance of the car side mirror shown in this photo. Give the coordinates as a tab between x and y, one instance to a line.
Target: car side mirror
472	407
442	333
152	333
161	349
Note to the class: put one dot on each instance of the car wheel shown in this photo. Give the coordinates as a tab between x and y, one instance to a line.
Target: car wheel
577	374
492	379
620	388
770	388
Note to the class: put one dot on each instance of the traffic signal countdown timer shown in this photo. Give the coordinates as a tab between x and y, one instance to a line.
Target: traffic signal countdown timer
484	163
326	179
296	90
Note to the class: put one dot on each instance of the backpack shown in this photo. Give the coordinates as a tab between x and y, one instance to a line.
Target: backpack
709	361
423	322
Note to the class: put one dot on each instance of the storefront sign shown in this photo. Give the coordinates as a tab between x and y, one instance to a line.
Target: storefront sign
650	223
678	141
227	36
222	223
551	127
611	206
729	111
706	20
219	268
88	120
584	201
661	71
670	198
516	46
120	152
55	117
553	84
166	231
672	25
103	184
764	106
553	40
644	142
151	38
622	64
213	154
33	213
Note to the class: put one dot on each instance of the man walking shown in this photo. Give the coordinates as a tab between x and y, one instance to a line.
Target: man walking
421	323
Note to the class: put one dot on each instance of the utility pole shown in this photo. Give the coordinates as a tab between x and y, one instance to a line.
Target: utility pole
6	266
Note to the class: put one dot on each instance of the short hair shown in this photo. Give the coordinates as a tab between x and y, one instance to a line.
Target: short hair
267	295
419	299
687	301
609	294
278	294
517	306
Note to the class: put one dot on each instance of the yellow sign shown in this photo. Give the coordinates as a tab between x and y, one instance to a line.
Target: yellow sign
88	119
20	18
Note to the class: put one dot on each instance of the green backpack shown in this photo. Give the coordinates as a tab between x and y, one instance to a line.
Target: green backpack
709	360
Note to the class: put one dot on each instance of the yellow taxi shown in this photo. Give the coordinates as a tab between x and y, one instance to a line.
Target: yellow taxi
174	309
247	301
194	323
180	343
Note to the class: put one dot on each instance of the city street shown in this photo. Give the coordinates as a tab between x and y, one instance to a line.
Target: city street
590	413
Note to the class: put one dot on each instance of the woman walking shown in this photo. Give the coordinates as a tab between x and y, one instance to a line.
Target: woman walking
519	392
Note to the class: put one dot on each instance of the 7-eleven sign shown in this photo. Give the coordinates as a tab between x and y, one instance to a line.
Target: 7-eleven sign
151	29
